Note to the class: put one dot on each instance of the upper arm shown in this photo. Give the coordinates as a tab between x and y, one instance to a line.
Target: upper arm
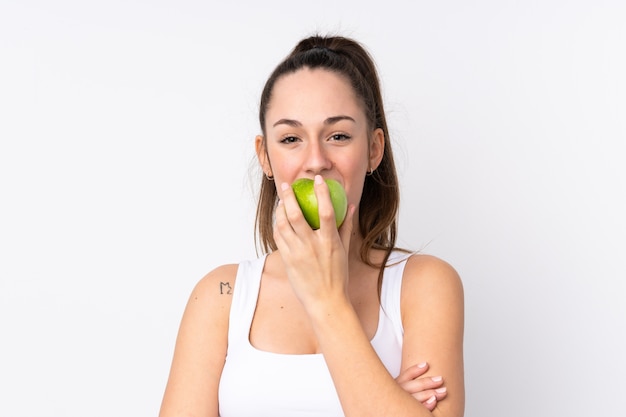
432	306
192	387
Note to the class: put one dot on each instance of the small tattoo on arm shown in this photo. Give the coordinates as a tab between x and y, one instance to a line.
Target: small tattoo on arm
225	288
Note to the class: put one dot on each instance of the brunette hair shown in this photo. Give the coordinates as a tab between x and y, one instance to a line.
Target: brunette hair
380	199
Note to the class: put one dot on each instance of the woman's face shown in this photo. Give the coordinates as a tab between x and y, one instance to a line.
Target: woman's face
315	125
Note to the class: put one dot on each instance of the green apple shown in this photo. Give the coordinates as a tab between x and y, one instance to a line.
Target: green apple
305	194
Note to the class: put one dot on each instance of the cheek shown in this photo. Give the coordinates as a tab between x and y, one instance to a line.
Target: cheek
282	166
354	190
285	171
354	186
353	169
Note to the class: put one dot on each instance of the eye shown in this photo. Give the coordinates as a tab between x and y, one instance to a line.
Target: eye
339	137
289	139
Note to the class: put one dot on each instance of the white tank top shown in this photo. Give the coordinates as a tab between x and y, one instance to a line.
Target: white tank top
256	383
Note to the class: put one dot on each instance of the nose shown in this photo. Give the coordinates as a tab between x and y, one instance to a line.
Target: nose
317	160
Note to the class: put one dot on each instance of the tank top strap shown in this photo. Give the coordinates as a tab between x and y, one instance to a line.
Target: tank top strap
392	288
245	296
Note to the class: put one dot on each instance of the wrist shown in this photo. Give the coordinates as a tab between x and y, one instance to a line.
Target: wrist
331	315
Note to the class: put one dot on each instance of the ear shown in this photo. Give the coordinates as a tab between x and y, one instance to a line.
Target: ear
377	148
261	154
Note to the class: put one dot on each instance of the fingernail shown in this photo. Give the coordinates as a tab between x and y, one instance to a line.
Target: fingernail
284	186
441	390
422	365
437	379
319	179
431	400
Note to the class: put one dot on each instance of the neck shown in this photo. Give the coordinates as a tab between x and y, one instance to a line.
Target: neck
376	256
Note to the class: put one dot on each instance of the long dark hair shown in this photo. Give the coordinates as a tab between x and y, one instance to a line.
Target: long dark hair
379	203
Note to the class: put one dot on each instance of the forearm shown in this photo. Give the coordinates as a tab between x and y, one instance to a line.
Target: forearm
364	385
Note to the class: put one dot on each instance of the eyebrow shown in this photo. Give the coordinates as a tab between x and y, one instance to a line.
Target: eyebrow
329	121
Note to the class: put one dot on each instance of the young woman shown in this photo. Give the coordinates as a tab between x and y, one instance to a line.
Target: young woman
329	322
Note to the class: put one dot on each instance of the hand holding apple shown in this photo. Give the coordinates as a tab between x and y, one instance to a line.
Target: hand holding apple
316	261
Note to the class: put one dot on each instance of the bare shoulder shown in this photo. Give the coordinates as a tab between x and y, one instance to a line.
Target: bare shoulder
204	326
431	284
220	281
209	304
426	274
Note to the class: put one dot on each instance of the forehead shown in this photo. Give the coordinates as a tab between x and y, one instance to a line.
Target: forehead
313	94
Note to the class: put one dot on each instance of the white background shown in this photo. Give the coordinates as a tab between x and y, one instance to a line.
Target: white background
126	150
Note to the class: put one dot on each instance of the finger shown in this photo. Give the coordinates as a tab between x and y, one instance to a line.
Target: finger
430	403
439	394
432	398
412	372
282	227
422	384
324	205
418	386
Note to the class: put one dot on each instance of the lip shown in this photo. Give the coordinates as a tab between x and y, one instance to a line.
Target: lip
323	177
